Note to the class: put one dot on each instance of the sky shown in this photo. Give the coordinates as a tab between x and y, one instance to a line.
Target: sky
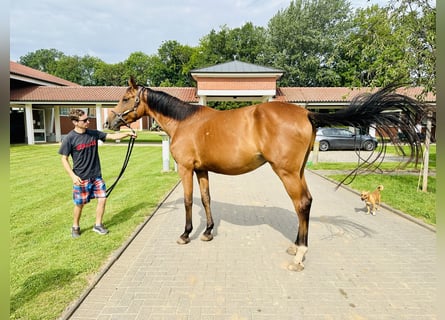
113	29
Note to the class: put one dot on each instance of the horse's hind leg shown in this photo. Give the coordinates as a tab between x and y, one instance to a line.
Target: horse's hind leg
203	179
298	191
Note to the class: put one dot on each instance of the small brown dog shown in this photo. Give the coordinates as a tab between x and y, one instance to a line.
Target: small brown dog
372	199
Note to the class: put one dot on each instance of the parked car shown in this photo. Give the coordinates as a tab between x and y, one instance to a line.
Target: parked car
343	139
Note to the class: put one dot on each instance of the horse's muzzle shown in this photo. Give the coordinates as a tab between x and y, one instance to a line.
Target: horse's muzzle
114	124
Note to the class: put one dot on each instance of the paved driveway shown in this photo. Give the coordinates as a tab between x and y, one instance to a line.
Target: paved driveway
358	266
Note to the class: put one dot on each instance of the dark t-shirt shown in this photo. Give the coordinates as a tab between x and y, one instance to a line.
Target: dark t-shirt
83	148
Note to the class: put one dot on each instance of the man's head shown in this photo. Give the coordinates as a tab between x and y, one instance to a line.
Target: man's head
79	118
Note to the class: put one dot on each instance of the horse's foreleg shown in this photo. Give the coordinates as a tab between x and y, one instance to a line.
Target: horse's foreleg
203	179
187	184
299	193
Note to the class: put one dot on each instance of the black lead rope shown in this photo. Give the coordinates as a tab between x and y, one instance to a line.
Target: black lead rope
124	165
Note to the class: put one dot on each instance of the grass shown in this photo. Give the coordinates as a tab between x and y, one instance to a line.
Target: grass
145	137
401	186
390	150
49	269
400	192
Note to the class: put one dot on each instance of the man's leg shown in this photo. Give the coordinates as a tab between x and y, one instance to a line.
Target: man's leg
77	213
100	210
75	230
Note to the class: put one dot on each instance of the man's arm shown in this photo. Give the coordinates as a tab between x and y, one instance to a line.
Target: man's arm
69	170
120	135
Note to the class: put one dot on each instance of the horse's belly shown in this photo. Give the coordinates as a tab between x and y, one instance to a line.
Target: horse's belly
230	164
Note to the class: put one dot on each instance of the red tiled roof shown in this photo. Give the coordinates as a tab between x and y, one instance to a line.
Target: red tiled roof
336	94
188	94
89	94
21	70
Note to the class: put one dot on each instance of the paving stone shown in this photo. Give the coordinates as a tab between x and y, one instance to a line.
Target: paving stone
358	266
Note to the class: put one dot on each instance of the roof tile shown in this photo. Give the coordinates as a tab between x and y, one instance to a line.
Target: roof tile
337	94
89	94
19	69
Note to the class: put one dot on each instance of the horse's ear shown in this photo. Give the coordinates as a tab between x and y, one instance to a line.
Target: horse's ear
132	83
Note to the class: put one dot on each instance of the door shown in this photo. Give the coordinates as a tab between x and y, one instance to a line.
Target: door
38	122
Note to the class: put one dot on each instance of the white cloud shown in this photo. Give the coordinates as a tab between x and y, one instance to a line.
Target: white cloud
112	29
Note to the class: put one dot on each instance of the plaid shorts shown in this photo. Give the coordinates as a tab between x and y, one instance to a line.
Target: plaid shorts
89	189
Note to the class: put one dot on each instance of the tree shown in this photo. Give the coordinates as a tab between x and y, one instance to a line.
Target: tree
110	74
245	44
138	66
88	69
80	70
391	43
43	59
301	40
373	49
170	67
415	21
69	68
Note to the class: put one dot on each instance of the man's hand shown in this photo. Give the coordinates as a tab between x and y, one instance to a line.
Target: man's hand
76	180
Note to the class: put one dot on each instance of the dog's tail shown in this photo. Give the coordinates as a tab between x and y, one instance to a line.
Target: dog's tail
380	187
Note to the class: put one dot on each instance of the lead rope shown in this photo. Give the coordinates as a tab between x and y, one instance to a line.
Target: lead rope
124	165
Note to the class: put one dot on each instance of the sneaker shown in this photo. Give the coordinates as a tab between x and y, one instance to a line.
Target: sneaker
75	232
100	229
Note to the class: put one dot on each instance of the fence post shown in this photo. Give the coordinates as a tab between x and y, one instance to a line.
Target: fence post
315	152
165	152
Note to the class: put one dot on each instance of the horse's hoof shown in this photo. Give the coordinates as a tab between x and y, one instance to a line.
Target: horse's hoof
292	250
207	237
183	241
296	267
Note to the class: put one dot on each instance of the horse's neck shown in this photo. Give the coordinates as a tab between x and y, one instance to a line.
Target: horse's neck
167	124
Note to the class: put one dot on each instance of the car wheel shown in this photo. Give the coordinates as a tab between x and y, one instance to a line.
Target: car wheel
369	145
323	146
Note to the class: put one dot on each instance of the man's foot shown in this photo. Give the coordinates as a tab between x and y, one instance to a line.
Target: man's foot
75	232
100	229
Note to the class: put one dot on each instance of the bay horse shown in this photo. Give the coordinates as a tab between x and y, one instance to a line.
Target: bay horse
240	140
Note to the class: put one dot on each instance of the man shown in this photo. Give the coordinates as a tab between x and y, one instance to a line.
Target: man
81	144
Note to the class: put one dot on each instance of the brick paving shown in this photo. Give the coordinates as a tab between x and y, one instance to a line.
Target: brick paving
358	266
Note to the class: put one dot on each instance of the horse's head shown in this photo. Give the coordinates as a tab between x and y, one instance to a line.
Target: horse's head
128	109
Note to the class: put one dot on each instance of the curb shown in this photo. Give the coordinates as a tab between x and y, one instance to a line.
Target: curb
383	205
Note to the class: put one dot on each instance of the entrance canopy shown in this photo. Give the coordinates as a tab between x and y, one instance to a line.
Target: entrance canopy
236	80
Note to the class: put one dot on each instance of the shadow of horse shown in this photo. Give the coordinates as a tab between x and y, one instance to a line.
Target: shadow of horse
280	219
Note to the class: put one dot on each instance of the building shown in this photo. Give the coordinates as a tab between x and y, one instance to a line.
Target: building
40	103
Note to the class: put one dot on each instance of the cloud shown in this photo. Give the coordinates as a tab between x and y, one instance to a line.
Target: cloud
112	29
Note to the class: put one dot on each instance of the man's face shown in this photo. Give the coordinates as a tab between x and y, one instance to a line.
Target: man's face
83	121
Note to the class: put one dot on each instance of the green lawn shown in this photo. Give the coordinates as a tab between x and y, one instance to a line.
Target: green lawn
400	192
144	136
402	187
49	269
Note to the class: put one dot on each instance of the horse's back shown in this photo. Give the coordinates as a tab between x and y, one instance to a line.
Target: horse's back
284	121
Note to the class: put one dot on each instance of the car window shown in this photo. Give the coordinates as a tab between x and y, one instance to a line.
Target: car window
345	133
335	132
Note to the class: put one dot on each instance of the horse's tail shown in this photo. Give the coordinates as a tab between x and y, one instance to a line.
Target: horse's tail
386	111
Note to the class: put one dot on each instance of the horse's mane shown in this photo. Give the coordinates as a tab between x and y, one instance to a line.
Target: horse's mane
170	106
